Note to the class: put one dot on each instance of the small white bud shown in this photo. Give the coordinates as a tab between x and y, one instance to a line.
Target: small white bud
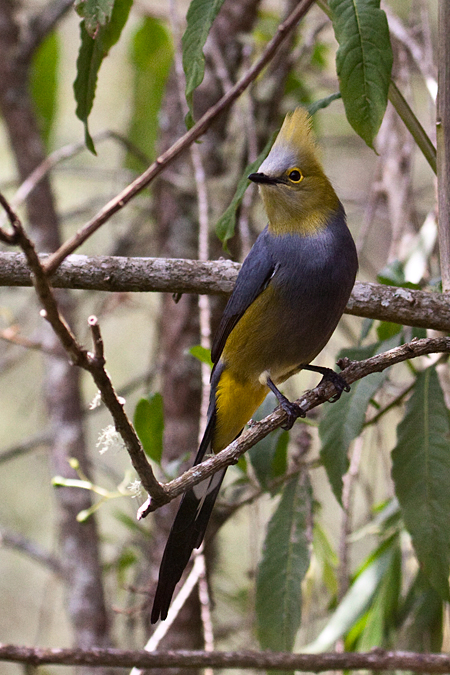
107	439
96	401
135	488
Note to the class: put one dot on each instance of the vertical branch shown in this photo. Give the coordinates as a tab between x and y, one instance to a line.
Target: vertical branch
347	493
203	301
203	222
443	141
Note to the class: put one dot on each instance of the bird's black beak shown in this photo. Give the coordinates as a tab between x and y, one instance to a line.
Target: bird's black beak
262	179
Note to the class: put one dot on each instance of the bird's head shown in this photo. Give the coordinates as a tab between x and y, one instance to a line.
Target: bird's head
297	195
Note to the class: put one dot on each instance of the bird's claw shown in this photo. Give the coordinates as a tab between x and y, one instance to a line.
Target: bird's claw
338	383
293	412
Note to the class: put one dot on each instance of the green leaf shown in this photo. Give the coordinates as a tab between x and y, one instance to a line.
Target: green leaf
423	615
387	329
151	58
44	83
96	13
382	615
393	274
90	56
343	420
279	462
227	222
363	62
421	470
89	60
126	559
284	563
326	557
201	354
113	30
149	425
200	16
353	605
269	455
132	524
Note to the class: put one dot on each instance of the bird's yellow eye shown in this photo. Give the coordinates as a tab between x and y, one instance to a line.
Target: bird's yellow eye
295	175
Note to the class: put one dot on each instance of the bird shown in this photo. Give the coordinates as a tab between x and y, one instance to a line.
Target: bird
289	295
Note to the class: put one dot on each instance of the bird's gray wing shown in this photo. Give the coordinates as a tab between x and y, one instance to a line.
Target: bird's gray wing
254	276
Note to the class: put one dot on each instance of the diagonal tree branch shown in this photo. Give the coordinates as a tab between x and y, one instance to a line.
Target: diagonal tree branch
93	363
16	541
41	24
352	371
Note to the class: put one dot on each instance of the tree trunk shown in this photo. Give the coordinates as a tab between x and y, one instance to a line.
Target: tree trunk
79	541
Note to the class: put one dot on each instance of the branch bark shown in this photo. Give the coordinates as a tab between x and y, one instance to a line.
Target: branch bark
171	275
377	659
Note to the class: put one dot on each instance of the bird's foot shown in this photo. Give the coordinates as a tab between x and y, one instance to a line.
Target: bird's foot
329	375
339	384
293	410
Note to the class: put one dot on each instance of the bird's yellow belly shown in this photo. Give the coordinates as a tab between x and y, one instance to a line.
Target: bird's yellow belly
236	401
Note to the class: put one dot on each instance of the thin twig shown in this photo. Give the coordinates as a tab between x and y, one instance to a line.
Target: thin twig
179	601
203	222
347	492
41	25
392	404
413	125
184	142
12	335
417	52
252	153
44	439
61	154
205	610
20	543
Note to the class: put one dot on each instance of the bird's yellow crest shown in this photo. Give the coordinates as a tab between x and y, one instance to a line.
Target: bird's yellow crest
296	132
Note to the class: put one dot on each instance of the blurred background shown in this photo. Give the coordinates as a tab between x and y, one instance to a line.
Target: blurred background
63	582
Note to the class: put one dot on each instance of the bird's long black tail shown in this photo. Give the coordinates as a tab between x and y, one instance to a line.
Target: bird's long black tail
187	530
